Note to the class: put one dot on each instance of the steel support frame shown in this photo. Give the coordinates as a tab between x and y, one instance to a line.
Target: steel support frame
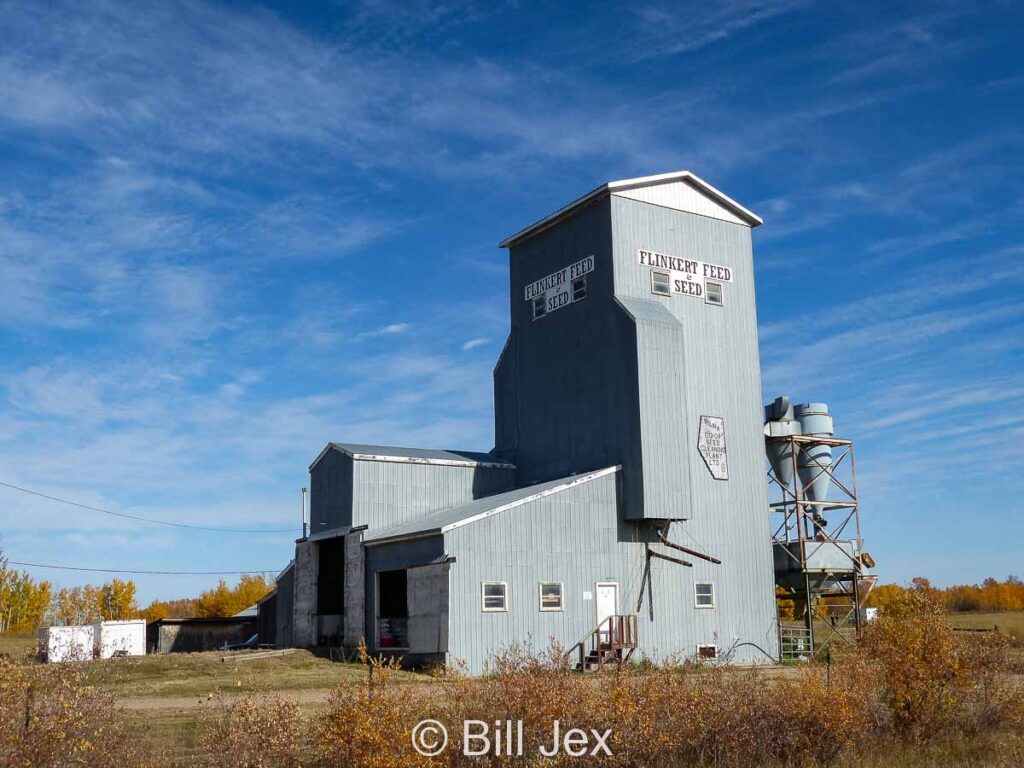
801	524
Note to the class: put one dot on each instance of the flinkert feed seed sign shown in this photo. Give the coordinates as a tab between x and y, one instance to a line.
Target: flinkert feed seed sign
556	288
711	445
686	276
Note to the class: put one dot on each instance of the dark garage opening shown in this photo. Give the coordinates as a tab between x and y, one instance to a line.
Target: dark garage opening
392	609
330	582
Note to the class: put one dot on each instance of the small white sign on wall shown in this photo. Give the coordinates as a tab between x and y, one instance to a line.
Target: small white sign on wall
711	445
588	595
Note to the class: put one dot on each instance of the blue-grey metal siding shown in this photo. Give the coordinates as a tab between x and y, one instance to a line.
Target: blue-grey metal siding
387	493
578	537
380	494
564	393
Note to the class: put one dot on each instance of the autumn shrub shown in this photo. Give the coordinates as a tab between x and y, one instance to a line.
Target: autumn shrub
49	716
368	725
256	732
933	680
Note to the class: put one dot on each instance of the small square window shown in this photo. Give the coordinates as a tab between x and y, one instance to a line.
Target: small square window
661	283
579	289
707	651
713	293
550	596
704	595
540	307
494	596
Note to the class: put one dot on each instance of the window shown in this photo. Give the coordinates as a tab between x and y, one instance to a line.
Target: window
550	596
704	595
661	283
579	289
707	651
713	293
494	596
540	308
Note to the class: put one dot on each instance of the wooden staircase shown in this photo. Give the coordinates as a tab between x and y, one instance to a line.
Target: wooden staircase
610	642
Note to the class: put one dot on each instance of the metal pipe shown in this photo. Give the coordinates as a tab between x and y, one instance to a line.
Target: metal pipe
687	550
652	553
304	528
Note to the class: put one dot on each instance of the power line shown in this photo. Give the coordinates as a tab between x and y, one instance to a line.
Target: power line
148	573
145	519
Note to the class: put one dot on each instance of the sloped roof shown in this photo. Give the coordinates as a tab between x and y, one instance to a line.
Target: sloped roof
446	520
363	452
626	185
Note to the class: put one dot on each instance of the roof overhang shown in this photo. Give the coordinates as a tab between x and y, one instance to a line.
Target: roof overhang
363	456
623	185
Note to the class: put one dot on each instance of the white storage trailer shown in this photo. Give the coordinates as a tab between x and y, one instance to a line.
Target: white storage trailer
59	644
119	638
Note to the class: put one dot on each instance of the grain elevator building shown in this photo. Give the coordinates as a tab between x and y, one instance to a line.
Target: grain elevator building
622	510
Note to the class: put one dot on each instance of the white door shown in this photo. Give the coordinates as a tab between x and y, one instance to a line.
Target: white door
607	605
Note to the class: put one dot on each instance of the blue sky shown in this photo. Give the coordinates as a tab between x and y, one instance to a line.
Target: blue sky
232	232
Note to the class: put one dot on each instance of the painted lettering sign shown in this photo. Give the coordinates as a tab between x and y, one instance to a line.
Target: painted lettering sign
557	290
711	445
686	276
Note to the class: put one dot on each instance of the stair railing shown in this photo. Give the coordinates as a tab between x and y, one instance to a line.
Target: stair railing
614	633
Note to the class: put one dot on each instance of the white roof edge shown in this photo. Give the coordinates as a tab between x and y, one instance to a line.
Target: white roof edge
438	462
577	480
641	181
410	459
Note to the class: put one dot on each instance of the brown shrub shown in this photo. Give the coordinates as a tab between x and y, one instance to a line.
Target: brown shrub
368	725
257	732
50	717
935	681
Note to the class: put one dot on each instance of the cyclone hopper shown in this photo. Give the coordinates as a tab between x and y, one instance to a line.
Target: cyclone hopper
780	423
814	460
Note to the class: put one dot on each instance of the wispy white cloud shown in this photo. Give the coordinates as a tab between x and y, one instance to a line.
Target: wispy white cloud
474	343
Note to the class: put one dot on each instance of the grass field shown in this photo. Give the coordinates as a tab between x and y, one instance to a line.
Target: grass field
1010	623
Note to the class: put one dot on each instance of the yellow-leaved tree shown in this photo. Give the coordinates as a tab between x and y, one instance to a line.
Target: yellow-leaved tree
23	601
223	600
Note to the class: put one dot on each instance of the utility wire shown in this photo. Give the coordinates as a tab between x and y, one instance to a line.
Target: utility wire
149	573
144	519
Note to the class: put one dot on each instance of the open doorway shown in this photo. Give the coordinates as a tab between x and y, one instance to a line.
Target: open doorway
392	610
330	590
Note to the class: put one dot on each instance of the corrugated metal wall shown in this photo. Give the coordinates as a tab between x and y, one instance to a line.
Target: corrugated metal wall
390	493
380	494
330	500
577	538
565	397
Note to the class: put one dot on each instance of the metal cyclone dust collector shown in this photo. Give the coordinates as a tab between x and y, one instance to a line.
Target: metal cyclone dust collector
780	422
814	459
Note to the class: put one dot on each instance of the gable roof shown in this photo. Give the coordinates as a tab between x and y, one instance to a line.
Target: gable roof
445	520
641	188
361	452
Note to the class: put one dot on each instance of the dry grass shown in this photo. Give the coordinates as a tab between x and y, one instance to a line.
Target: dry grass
1009	623
199	674
20	649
